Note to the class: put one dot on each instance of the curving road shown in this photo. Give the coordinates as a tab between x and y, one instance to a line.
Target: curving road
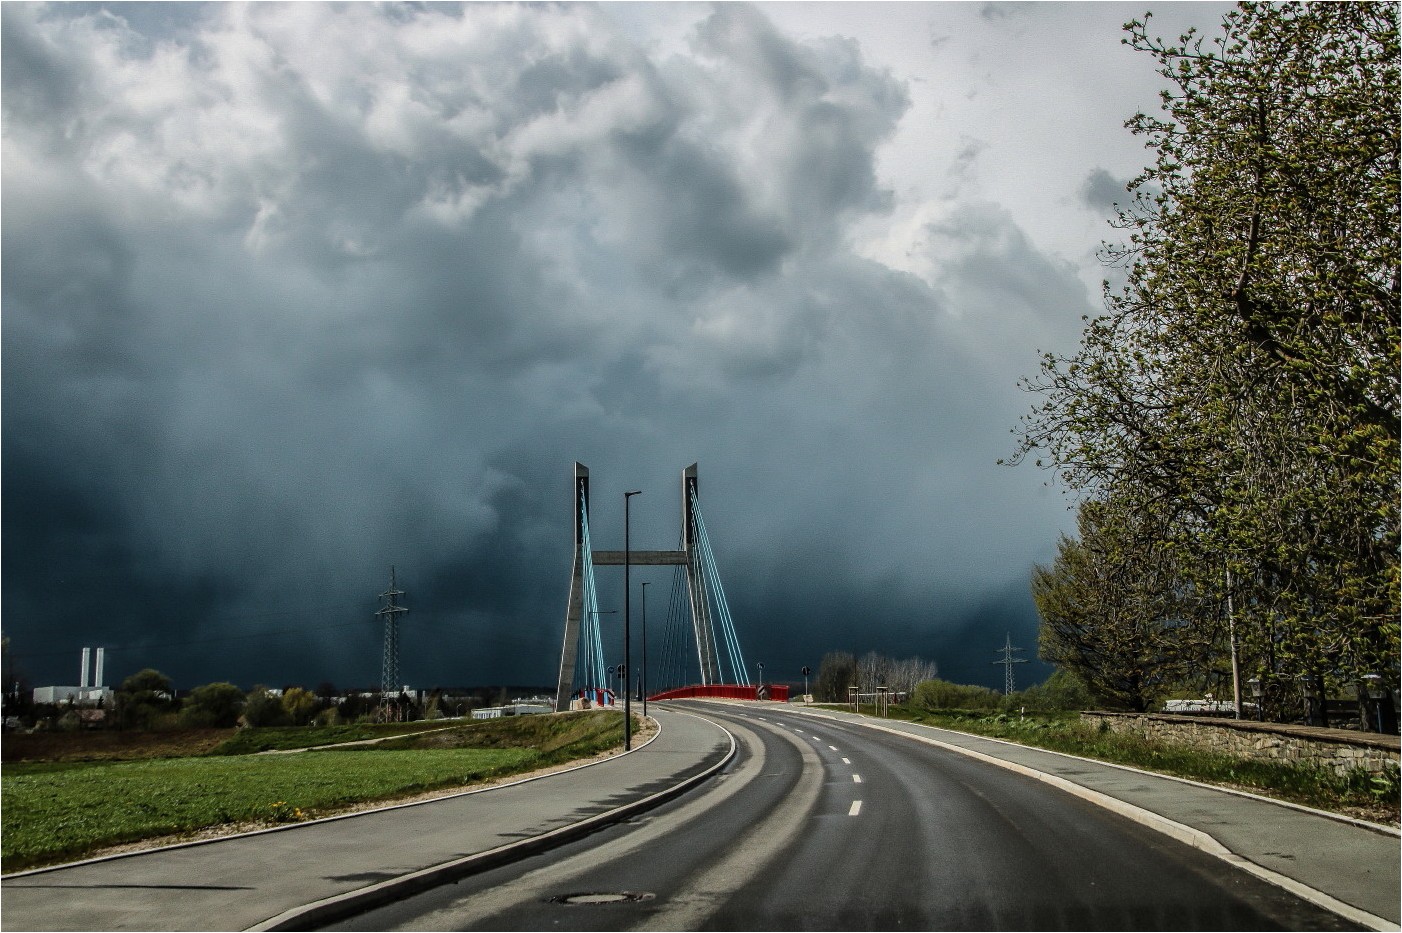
822	825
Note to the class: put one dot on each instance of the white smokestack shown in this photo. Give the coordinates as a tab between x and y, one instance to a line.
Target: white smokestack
83	675
97	680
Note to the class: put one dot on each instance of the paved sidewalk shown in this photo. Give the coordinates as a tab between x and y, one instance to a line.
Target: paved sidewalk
243	881
1354	864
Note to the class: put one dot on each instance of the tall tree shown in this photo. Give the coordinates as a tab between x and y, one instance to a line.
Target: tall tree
836	672
1117	611
1243	386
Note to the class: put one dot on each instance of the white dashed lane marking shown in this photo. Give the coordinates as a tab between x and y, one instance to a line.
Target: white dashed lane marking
856	779
847	761
856	808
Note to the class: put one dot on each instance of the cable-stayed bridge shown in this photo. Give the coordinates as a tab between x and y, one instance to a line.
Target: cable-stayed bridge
700	652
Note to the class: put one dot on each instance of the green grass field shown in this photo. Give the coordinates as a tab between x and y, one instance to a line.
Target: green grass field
63	810
1359	794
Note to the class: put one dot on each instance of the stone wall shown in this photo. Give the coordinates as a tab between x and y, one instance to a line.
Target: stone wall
1339	749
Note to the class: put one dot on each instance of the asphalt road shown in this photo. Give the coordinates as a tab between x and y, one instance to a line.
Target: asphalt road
822	825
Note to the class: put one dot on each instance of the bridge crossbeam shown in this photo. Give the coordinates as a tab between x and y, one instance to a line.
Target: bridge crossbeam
640	558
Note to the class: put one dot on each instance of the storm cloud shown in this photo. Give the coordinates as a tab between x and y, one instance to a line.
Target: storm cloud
296	292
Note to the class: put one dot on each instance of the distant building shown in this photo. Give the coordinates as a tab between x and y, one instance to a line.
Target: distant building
512	709
56	695
78	696
89	691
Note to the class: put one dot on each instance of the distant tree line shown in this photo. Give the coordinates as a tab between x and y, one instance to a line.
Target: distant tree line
841	670
1231	423
915	681
1063	690
148	700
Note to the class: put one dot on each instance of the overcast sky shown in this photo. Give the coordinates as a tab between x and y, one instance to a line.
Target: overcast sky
296	292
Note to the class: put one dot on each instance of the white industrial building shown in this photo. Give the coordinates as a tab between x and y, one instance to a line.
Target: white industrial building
512	709
89	692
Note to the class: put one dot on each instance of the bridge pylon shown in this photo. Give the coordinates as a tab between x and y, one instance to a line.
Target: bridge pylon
694	556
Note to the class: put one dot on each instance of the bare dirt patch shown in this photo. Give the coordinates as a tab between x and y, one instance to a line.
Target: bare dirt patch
113	745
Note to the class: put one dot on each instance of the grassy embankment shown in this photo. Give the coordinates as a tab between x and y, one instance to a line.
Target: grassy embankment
1359	795
62	809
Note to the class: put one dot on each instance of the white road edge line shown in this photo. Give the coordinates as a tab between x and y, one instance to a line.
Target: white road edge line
856	808
1185	834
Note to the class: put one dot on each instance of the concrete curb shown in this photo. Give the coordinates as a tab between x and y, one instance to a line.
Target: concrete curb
1379	828
328	910
1185	834
325	819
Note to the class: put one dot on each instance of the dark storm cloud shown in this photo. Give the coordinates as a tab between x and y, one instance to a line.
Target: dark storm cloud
1102	191
296	292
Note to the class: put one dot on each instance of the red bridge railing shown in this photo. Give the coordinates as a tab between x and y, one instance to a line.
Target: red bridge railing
776	692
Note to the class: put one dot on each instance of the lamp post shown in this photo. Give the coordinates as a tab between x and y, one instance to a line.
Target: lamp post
644	650
806	672
627	633
1377	700
1231	636
1258	693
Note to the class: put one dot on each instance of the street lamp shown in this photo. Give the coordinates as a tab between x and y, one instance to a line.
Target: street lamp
1258	692
1377	700
645	650
806	672
627	633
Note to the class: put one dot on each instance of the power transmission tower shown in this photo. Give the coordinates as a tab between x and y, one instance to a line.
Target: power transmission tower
389	665
1007	660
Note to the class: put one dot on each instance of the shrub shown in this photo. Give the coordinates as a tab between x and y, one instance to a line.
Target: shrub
299	705
263	709
941	694
212	706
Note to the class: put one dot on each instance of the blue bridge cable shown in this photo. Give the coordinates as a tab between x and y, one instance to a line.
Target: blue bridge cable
736	656
671	669
679	655
703	610
705	563
590	667
600	676
704	590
